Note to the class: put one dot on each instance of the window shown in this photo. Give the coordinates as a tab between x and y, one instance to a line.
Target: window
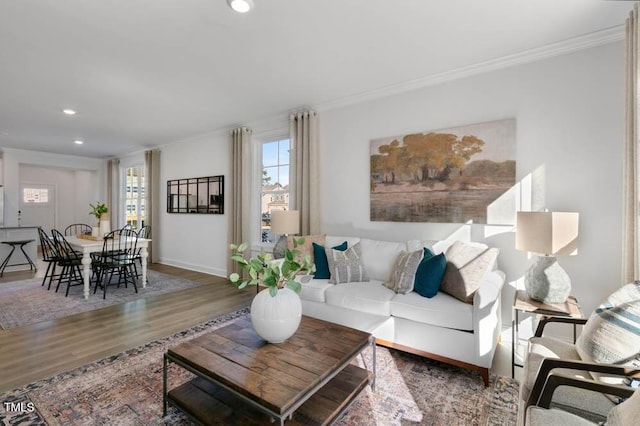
35	195
274	193
134	183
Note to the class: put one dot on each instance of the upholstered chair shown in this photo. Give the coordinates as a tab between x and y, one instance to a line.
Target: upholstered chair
607	352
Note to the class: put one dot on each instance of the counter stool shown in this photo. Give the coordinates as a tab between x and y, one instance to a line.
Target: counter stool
13	245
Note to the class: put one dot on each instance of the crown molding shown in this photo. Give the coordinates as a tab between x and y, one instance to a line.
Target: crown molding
598	38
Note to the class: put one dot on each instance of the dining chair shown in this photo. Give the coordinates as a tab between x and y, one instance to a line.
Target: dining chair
144	232
49	256
69	259
77	228
116	260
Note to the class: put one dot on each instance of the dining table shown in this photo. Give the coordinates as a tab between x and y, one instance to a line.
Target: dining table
87	246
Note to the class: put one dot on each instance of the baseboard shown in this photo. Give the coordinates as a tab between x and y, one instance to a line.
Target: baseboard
194	267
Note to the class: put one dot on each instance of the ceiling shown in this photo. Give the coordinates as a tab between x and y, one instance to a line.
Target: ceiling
143	73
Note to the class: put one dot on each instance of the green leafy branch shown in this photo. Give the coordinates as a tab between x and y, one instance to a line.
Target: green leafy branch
263	270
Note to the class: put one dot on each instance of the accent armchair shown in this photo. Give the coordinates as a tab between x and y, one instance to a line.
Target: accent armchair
607	351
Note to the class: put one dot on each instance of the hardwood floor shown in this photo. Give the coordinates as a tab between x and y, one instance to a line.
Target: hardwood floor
44	349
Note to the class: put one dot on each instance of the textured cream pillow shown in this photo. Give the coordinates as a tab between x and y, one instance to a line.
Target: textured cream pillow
404	272
466	265
612	332
346	266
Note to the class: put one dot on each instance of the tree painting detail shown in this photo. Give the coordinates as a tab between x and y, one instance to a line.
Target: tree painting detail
447	176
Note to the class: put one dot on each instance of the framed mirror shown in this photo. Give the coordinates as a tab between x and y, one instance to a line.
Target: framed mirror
196	195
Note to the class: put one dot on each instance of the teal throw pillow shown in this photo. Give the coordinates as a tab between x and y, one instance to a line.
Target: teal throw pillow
322	263
429	274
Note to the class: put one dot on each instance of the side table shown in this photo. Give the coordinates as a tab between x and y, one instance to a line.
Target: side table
523	303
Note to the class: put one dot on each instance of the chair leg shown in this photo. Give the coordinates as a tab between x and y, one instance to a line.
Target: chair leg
46	274
53	274
62	275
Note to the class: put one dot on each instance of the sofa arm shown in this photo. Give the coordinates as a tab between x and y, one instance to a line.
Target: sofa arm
487	316
489	291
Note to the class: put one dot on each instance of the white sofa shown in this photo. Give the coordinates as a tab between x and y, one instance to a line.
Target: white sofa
442	328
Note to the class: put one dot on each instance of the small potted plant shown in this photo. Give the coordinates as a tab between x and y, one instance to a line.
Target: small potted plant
276	311
100	210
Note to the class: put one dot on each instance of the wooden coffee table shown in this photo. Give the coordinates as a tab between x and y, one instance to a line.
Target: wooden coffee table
241	379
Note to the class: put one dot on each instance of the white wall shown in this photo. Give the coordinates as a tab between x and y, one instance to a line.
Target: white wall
78	180
194	241
570	118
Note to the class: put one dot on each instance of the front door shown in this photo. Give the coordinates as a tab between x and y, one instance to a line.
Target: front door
37	205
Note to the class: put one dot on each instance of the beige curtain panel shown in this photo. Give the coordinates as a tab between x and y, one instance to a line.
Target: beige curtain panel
238	200
304	170
631	211
152	198
113	189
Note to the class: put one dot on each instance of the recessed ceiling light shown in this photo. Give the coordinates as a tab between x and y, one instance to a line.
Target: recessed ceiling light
69	111
241	6
78	142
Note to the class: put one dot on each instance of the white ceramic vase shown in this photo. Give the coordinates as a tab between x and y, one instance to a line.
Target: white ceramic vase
105	225
275	319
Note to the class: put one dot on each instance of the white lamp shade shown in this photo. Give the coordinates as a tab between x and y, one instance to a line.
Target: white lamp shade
285	221
548	233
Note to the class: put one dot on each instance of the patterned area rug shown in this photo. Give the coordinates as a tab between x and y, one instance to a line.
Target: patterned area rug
126	389
27	302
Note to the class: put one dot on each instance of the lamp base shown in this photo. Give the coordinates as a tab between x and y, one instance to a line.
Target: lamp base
547	282
280	247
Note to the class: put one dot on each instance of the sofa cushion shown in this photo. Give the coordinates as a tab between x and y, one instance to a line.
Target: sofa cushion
466	265
314	290
346	266
380	256
612	332
370	297
320	259
430	273
333	240
441	310
404	272
306	248
413	245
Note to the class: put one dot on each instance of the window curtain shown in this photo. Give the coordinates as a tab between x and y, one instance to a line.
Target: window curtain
631	211
240	192
152	198
113	190
303	129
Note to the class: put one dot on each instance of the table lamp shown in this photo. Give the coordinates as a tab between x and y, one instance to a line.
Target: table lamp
548	234
284	222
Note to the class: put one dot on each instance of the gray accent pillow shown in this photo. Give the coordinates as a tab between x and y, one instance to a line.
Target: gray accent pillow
346	266
404	272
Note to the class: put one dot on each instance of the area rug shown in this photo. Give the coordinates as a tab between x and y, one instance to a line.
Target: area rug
27	301
127	389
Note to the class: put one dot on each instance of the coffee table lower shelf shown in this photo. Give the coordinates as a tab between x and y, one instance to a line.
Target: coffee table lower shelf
207	403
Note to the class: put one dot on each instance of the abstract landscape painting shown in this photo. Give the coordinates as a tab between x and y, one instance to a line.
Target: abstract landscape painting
447	176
